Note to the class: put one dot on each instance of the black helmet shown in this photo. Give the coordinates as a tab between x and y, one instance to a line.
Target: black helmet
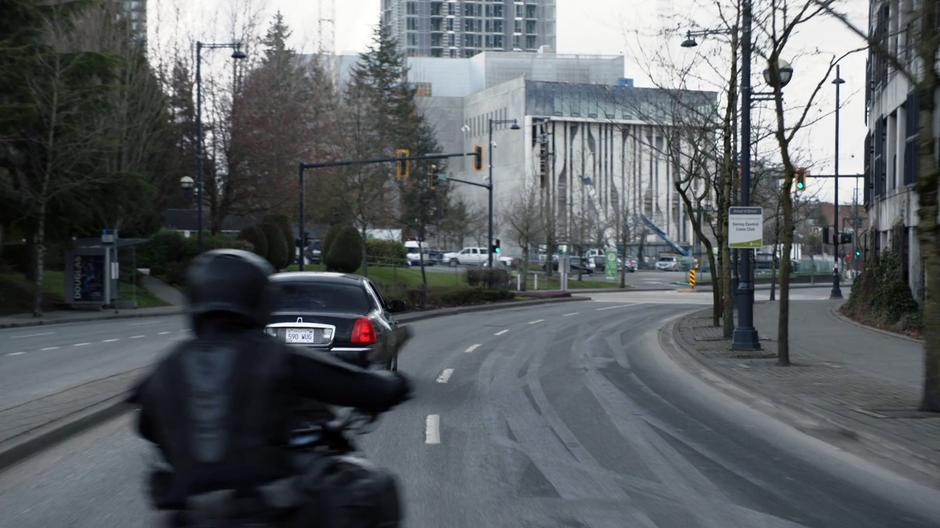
230	281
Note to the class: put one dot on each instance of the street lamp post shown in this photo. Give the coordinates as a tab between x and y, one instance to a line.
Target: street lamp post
237	54
489	161
745	335
836	292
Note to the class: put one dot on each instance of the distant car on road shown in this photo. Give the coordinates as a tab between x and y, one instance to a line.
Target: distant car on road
343	315
468	256
668	263
630	264
413	258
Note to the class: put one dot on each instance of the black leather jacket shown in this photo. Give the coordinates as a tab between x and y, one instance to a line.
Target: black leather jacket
218	407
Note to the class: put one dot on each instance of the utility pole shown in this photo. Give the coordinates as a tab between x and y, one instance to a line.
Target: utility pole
836	292
489	162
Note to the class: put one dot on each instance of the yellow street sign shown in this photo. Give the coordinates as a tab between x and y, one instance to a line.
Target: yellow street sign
692	278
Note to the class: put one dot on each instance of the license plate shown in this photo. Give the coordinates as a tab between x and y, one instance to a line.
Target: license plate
300	336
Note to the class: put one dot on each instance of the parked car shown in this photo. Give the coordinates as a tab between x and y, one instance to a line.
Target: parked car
343	315
631	264
313	252
468	256
413	258
668	263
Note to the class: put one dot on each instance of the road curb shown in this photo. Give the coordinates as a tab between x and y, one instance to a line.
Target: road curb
835	312
91	319
889	454
443	312
55	432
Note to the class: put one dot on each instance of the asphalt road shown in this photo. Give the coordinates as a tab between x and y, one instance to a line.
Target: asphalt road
560	415
41	360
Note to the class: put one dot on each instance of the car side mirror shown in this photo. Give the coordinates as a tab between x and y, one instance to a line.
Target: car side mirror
397	306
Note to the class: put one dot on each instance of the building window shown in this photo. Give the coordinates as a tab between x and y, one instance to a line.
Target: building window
517	26
436	24
412	39
530	11
516	42
450	24
412	8
453	53
451	8
436	39
451	40
530	27
436	8
437	52
911	113
498	41
530	42
497	26
423	89
520	11
412	23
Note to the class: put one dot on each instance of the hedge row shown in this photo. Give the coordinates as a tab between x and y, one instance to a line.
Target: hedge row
169	253
881	297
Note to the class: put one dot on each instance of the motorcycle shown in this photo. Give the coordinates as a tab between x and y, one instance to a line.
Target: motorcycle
344	488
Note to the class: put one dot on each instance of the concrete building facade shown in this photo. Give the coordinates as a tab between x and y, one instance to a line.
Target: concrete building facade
463	28
891	144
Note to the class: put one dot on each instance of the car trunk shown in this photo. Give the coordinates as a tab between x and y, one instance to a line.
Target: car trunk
343	322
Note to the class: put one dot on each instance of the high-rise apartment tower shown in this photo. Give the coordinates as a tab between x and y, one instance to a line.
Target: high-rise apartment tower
463	28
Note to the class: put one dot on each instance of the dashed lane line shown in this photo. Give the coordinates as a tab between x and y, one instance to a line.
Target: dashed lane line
137	337
613	307
112	340
569	314
537	321
48	348
24	336
16	353
445	375
501	332
432	429
81	344
164	333
471	348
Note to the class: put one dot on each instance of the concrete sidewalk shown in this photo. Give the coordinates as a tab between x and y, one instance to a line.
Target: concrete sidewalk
81	316
854	388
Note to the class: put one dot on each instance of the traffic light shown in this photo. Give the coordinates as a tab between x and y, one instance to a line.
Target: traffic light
800	180
477	158
402	166
433	169
496	247
845	238
858	253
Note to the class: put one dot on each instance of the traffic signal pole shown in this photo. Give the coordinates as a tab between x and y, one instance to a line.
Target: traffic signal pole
836	292
302	167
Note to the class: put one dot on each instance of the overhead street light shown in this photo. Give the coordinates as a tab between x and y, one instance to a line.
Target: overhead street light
237	54
786	73
489	160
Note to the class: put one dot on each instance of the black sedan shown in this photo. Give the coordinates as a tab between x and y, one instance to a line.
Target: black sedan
341	314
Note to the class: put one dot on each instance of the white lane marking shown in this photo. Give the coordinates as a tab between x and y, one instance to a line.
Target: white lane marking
164	333
613	307
81	344
432	429
137	337
569	314
24	336
16	353
48	348
471	348
537	321
501	332
110	340
445	375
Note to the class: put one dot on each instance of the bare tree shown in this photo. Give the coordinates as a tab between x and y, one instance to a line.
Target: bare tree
526	224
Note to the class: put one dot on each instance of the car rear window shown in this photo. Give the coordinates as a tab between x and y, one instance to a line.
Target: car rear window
321	296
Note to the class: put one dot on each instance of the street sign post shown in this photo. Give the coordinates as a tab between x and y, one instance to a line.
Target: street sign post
746	226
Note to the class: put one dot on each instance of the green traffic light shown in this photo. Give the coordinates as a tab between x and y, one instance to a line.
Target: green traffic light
800	186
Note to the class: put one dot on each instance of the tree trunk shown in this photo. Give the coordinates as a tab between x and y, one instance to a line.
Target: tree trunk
927	188
524	268
783	322
773	273
40	248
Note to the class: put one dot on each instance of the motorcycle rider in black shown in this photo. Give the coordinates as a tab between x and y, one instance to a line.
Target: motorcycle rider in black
218	406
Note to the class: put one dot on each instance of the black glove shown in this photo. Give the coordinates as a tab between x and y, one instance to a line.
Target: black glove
400	387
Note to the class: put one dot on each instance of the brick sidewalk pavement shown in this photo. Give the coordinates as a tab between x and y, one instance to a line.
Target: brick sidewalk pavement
856	388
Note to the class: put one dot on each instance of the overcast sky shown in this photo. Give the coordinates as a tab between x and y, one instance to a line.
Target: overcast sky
587	27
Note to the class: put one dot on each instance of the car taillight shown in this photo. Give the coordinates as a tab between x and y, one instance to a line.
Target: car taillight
363	332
